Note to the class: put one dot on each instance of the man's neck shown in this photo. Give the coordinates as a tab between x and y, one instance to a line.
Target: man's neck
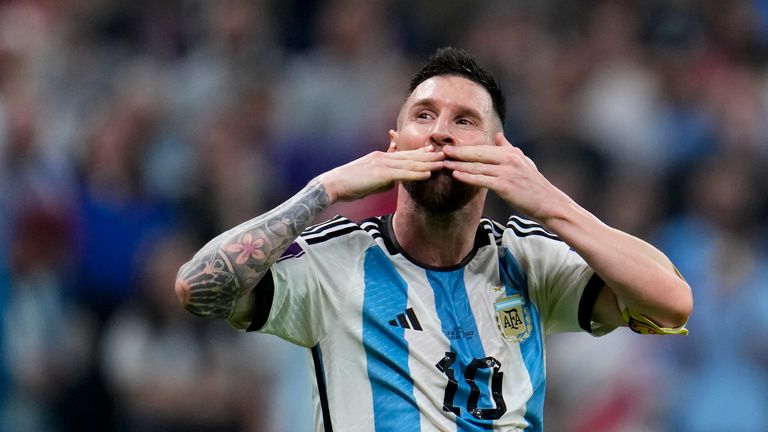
437	240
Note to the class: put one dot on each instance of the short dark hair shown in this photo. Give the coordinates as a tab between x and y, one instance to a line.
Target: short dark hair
456	61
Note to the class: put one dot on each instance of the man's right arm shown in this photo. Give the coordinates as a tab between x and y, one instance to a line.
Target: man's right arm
219	281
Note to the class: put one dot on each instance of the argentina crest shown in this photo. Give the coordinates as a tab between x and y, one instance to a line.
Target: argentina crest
512	318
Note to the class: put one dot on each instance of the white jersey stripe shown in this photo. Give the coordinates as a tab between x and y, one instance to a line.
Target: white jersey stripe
422	363
386	295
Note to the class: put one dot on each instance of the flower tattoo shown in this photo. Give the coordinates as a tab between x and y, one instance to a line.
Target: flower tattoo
247	248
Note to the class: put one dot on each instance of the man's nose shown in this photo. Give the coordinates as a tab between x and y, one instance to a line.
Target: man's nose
441	134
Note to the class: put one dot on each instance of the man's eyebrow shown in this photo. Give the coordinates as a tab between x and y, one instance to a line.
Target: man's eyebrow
424	103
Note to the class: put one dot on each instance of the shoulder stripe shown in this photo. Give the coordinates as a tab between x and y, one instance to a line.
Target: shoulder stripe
327	235
336	220
524	228
527	223
493	228
372	227
329	227
373	224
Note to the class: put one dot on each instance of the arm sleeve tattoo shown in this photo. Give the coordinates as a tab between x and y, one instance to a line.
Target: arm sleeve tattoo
227	268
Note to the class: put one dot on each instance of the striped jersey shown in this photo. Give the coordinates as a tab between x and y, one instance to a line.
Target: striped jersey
399	346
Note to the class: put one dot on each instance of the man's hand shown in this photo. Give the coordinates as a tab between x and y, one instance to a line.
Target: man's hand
505	170
379	171
634	271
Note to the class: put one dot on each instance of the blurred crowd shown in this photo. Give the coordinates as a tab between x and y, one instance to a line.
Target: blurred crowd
131	132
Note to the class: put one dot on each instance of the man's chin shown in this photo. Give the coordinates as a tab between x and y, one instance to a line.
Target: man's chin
440	193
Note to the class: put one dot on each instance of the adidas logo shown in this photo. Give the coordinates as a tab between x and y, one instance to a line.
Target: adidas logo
406	320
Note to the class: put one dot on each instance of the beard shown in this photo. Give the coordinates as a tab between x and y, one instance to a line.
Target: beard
441	193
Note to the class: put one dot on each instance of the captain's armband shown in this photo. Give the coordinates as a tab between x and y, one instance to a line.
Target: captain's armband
639	323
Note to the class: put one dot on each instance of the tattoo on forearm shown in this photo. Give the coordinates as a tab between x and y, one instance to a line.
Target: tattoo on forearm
232	263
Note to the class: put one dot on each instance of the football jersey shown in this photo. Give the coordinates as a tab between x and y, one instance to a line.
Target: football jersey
399	346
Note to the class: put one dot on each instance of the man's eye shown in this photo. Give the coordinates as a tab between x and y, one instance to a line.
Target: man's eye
464	121
424	115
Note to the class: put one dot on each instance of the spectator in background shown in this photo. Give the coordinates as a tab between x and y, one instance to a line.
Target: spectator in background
116	215
352	68
233	150
48	347
116	218
229	47
45	338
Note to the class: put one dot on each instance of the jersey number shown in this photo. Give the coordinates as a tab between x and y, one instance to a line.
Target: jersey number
445	366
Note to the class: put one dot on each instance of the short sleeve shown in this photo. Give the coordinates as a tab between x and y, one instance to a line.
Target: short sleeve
311	282
557	276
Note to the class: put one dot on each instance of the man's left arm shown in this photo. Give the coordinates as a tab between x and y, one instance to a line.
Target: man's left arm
639	276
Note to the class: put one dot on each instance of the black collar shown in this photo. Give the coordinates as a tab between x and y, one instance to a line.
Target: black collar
482	238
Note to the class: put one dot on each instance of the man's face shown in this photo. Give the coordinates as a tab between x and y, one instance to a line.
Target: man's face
445	110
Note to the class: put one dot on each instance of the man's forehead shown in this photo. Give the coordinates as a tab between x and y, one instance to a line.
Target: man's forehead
452	89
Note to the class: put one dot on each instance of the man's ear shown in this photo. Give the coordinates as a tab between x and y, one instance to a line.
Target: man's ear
392	141
500	140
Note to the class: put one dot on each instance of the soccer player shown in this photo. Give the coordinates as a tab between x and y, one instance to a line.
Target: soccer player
433	318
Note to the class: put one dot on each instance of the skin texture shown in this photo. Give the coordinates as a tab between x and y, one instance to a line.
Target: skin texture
448	144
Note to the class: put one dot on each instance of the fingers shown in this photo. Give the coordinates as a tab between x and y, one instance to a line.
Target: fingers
471	167
505	154
408	175
479	153
494	167
480	180
386	167
424	160
424	153
416	165
378	171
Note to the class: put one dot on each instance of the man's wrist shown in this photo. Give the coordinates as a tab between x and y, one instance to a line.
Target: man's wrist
327	182
558	214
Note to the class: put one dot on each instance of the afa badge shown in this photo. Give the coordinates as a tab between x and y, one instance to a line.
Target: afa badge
512	318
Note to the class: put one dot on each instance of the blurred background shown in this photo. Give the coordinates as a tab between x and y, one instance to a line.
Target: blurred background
131	132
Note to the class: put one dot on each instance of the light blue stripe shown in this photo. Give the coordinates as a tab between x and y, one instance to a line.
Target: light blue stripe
532	348
459	326
506	304
386	349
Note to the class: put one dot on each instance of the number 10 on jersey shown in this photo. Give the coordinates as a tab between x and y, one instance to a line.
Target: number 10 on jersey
446	366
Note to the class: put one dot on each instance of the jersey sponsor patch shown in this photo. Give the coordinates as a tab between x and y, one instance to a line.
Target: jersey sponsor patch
512	318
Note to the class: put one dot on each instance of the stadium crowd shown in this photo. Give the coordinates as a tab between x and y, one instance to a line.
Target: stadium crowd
131	132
